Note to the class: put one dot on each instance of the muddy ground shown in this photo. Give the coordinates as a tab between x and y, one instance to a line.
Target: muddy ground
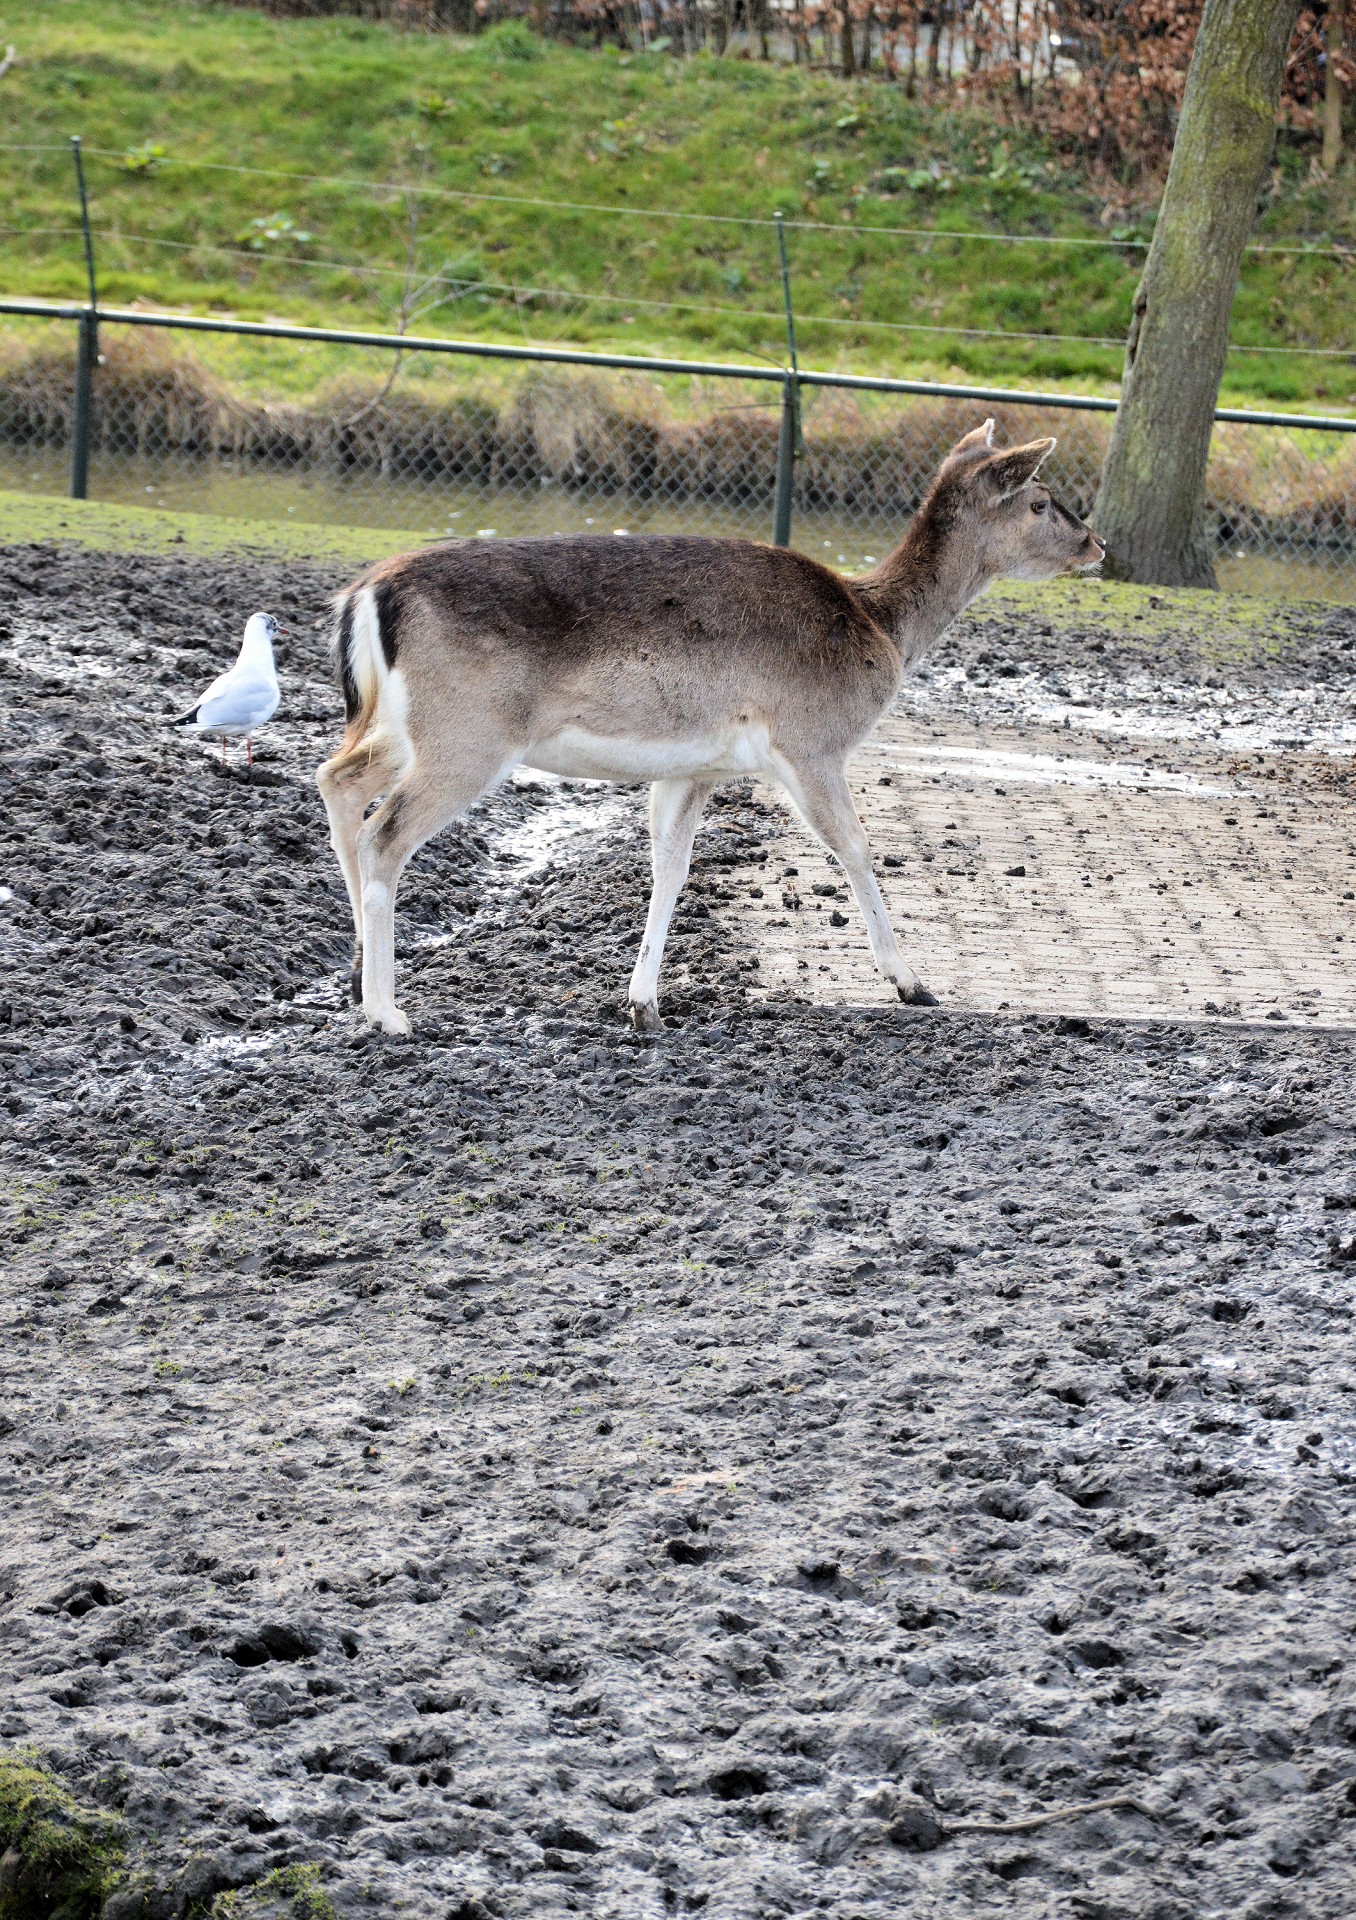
525	1470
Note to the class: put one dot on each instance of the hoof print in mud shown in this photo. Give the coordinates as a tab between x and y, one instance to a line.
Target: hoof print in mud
688	1553
81	1597
738	1783
558	1836
272	1642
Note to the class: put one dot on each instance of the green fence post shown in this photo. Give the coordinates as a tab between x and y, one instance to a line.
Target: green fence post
87	349
789	445
86	353
786	470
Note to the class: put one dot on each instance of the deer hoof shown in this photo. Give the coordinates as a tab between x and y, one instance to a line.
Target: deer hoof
917	995
645	1019
391	1021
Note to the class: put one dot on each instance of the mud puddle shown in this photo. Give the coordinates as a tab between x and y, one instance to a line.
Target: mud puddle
1285	719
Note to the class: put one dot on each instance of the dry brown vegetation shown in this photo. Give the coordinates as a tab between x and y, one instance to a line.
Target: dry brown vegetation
623	434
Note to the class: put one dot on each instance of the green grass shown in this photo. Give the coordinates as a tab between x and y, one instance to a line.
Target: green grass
1218	626
62	1859
28	517
152	85
287	1893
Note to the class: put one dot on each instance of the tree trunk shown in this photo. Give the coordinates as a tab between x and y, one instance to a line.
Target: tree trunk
1150	506
1332	89
935	48
846	51
1017	48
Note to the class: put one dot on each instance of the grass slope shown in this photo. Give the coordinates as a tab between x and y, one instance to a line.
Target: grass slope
506	115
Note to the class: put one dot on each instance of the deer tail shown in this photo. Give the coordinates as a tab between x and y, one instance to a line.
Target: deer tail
362	654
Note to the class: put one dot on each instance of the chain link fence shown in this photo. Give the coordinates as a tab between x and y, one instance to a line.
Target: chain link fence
301	424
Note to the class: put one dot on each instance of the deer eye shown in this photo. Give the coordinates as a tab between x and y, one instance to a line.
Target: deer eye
1039	506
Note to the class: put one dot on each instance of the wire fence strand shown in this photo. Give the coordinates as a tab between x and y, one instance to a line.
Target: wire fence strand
791	221
567	295
1315	248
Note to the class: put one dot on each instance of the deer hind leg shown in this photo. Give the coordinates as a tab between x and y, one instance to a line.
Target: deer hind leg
675	809
822	798
425	800
348	786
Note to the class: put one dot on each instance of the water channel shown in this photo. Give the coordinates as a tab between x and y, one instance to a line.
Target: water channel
249	491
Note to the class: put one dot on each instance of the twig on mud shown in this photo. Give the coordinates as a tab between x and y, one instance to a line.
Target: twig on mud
1035	1820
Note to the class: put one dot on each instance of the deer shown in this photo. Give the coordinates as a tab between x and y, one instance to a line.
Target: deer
677	660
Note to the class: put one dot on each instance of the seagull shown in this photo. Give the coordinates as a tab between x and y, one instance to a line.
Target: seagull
243	698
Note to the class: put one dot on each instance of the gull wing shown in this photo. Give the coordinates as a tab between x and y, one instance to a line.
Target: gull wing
239	700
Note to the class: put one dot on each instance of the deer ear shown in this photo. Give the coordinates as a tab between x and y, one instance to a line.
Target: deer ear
978	437
1016	467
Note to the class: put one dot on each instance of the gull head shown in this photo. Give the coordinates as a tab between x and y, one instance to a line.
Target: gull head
264	627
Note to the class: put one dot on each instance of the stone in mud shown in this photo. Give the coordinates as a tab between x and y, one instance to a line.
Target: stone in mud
914	1827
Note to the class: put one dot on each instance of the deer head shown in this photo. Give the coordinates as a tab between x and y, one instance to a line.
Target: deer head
1004	519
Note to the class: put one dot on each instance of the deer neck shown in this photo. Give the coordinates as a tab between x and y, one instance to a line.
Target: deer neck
918	590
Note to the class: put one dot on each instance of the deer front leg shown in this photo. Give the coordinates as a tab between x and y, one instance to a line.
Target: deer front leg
675	809
824	802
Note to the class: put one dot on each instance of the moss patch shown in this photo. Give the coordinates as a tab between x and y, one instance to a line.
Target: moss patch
58	1859
90	523
288	1893
1216	629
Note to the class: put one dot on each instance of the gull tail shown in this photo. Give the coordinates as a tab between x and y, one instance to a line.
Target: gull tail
189	719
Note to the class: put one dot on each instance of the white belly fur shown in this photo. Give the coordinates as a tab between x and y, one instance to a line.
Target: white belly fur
576	754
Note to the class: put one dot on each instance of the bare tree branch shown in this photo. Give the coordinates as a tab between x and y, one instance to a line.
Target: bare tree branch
420	293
